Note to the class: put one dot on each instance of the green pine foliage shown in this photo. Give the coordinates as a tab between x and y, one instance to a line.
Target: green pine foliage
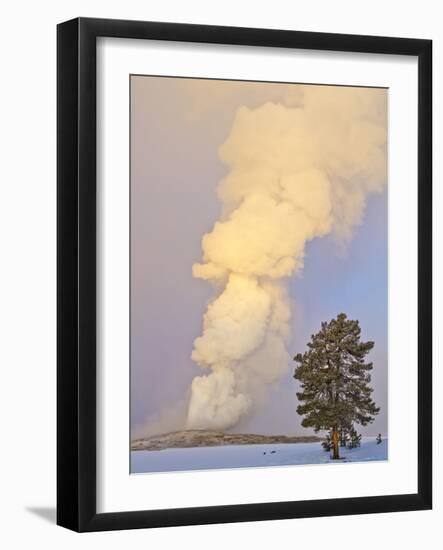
335	379
327	442
354	439
343	436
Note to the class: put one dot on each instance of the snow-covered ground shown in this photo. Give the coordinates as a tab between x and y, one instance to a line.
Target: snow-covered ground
250	456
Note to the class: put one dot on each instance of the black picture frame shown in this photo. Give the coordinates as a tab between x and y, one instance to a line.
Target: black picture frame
76	279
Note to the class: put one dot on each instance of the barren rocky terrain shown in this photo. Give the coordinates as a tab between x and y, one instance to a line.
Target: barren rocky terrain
206	438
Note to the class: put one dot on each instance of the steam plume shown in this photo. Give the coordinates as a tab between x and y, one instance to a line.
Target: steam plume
295	173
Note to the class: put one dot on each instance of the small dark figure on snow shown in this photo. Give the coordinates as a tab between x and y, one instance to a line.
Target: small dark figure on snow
378	439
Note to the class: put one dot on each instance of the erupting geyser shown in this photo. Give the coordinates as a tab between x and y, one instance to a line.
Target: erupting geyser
296	173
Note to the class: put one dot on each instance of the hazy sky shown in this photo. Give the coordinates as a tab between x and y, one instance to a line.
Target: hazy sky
177	127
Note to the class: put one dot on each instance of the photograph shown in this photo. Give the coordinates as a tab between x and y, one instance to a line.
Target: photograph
221	309
258	274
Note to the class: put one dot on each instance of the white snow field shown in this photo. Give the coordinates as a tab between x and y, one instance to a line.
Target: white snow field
251	456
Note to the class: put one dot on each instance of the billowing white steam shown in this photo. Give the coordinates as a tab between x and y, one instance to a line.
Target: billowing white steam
296	173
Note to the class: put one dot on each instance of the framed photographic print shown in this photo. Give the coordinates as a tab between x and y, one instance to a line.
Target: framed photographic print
244	274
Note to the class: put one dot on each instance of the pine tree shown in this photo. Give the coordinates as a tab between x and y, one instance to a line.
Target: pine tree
334	379
354	438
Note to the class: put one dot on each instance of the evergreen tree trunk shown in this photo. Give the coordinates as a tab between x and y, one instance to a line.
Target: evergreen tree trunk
335	451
